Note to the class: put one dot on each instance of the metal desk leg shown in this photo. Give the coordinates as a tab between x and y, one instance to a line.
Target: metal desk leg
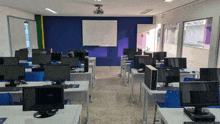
124	76
129	76
140	92
88	119
144	109
132	90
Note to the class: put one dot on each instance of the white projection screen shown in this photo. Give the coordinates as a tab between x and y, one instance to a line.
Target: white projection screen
101	33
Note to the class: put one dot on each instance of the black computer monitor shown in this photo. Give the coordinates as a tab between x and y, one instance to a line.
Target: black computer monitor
168	75
12	73
44	99
199	94
210	74
58	73
37	51
126	51
9	61
72	61
139	51
22	54
41	59
81	56
159	55
141	60
131	55
72	50
175	62
149	54
56	56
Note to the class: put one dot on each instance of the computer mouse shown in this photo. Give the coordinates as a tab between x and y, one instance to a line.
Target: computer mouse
193	72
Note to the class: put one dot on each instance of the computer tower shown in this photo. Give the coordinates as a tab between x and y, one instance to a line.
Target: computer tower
86	64
150	77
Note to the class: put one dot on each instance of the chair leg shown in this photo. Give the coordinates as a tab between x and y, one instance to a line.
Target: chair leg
155	114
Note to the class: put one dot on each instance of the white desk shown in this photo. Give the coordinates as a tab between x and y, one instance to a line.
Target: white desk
136	78
93	60
80	94
87	76
91	65
71	114
177	116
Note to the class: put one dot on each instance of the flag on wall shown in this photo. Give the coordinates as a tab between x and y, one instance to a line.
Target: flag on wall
40	31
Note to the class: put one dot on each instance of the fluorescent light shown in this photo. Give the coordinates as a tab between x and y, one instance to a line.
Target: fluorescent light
50	10
168	0
97	0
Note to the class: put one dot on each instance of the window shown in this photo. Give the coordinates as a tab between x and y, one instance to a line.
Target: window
171	33
26	28
197	33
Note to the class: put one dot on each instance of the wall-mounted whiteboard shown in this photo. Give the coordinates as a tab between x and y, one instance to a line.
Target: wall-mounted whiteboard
101	33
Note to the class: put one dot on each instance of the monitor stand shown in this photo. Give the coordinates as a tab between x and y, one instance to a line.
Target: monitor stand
199	114
11	84
45	114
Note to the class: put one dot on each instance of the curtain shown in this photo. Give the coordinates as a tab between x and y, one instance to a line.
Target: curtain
17	34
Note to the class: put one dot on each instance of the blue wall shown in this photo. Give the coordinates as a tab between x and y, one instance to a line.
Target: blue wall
62	33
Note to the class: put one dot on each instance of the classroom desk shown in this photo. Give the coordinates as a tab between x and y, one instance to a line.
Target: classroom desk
177	116
93	60
139	78
87	76
71	114
80	94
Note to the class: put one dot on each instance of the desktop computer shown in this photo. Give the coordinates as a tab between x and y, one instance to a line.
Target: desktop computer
149	54
86	64
159	55
58	73
37	51
199	94
44	99
21	54
73	62
56	56
40	59
175	62
126	51
12	73
209	74
141	60
151	77
9	61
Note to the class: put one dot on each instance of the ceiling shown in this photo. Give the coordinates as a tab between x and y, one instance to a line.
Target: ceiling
86	7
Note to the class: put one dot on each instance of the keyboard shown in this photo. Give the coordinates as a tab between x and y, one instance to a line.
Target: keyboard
5	89
201	122
66	86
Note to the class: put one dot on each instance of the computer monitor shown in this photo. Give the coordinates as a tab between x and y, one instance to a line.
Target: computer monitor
126	51
72	61
41	59
168	75
159	55
58	73
139	51
141	60
12	73
22	54
37	51
72	50
210	74
175	62
149	54
56	56
131	55
199	94
81	56
44	99
9	61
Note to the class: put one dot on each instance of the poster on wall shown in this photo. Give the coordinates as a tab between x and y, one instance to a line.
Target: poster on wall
159	34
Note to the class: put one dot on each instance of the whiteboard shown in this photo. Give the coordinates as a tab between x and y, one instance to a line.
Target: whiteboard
101	33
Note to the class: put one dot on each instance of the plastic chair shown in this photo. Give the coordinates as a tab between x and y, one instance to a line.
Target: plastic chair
53	63
161	65
26	65
80	66
29	59
190	79
6	99
34	76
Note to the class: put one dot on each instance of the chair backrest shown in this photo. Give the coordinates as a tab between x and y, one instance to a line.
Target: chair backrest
6	99
189	79
172	99
161	65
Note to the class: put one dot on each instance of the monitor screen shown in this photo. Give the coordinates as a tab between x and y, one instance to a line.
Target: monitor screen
57	72
43	98
9	61
199	93
126	51
159	55
37	51
13	72
139	51
22	55
72	50
149	54
175	62
210	74
56	56
136	60
41	58
73	62
168	74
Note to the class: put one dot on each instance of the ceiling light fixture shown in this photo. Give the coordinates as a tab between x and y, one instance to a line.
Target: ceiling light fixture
97	0
168	0
50	10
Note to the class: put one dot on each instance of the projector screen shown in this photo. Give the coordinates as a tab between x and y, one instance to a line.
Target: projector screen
101	33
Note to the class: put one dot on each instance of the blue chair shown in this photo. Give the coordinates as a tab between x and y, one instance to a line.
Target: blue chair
190	79
80	66
34	76
6	99
26	65
161	65
53	63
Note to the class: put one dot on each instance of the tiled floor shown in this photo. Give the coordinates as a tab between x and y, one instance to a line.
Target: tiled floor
111	103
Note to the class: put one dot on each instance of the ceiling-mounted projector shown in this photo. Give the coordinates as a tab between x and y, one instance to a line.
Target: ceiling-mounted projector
98	10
